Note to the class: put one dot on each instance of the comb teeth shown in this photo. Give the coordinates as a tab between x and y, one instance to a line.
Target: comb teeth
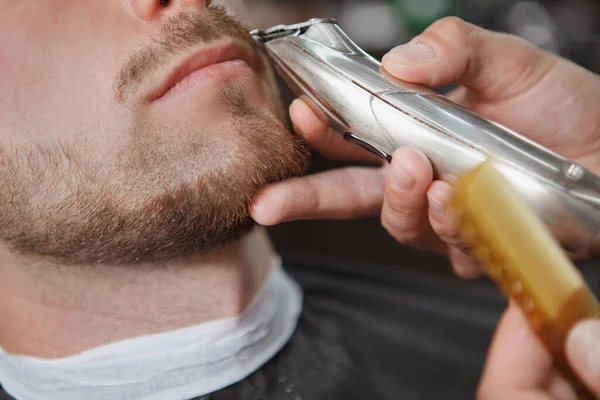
511	243
495	264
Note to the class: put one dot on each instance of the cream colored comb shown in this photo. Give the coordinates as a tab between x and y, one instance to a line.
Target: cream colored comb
523	259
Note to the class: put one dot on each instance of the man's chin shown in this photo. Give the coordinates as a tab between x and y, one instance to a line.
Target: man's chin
146	217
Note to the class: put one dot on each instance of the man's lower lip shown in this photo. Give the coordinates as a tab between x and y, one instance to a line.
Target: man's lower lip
211	73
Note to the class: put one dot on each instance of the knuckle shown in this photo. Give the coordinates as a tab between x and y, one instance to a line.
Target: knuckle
453	39
452	29
399	231
464	248
449	233
365	185
405	203
307	195
368	192
396	206
456	241
395	198
458	244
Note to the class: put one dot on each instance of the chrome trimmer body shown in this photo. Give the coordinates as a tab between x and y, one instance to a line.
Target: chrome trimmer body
323	66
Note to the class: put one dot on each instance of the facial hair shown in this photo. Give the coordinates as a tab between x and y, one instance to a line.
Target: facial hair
164	198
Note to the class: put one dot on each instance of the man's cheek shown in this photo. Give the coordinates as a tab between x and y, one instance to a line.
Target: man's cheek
270	92
262	94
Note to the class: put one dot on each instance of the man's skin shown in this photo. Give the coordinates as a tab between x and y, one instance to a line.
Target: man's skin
120	214
108	196
538	94
520	368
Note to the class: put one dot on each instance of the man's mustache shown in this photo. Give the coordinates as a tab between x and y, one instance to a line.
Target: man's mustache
178	36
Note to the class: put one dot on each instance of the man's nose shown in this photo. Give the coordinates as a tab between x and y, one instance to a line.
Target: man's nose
149	10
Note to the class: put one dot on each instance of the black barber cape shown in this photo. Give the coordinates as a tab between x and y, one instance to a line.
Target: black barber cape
381	333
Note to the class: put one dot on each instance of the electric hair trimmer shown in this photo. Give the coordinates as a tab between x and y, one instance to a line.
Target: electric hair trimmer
323	66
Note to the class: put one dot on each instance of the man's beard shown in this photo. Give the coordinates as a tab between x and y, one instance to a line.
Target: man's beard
169	195
171	200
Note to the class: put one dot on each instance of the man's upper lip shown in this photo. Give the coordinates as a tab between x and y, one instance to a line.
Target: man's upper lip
197	60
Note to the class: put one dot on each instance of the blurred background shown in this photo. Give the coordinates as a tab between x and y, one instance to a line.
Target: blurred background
570	28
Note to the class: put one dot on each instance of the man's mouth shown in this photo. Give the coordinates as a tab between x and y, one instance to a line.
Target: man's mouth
224	59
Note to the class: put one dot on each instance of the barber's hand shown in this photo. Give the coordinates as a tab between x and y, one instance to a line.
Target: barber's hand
504	78
520	368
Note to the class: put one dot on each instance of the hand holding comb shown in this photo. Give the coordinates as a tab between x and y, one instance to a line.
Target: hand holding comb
524	260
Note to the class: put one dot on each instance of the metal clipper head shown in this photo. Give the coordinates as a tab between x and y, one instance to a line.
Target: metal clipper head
280	31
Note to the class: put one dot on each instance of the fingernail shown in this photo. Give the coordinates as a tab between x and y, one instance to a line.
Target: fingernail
401	179
583	346
437	207
411	53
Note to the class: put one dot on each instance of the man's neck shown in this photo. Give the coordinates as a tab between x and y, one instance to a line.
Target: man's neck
57	311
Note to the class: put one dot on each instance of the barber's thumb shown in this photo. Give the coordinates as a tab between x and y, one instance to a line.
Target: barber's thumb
410	54
417	62
583	352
